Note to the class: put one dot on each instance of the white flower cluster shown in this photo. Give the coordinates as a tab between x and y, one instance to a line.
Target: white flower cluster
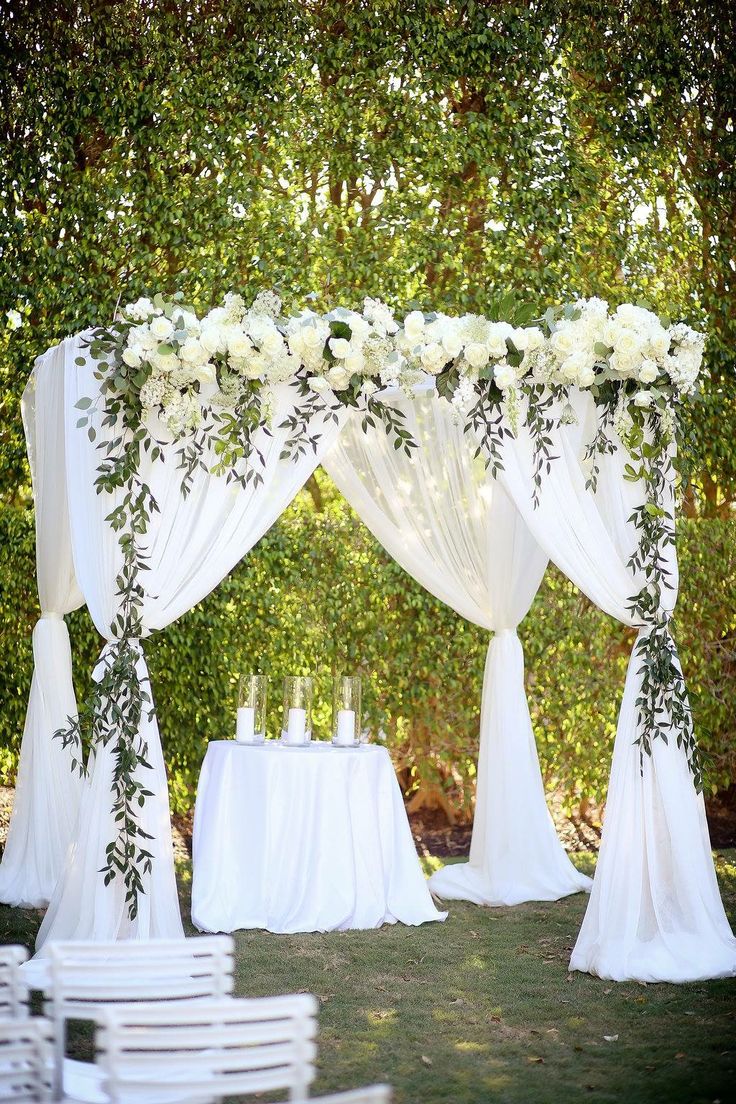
187	362
183	357
629	344
473	343
335	347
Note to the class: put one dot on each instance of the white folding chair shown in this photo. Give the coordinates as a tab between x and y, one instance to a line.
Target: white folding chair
25	1059
204	1052
373	1094
13	989
86	977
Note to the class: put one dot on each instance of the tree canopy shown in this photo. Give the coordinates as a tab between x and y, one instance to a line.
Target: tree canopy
432	152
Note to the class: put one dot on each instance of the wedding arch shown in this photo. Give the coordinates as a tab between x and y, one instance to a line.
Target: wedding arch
476	449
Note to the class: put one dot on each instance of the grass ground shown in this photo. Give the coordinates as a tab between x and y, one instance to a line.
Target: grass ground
482	1009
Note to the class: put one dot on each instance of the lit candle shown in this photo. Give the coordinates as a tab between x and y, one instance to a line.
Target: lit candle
245	725
345	735
296	726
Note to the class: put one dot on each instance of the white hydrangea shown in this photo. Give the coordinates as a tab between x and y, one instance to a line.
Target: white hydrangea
182	413
464	397
234	306
141	310
154	392
380	315
267	303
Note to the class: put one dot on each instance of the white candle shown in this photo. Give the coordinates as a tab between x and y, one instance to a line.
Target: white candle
345	735
245	725
296	726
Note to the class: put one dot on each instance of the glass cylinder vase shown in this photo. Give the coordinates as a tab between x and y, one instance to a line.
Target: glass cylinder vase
296	724
346	725
250	726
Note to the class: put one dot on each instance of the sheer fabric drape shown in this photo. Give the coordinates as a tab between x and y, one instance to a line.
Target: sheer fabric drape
191	545
455	530
655	913
47	793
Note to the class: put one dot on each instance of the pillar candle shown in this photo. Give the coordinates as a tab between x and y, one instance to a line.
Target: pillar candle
245	726
345	735
296	726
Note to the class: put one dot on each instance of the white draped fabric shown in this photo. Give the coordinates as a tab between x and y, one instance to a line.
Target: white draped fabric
47	792
191	545
655	913
478	544
449	524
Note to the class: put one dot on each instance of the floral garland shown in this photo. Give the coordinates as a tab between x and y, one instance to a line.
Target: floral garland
205	384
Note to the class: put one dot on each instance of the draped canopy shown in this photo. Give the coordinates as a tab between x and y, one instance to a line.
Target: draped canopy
477	542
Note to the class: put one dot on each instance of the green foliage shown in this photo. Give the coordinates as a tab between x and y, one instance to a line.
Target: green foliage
318	595
437	152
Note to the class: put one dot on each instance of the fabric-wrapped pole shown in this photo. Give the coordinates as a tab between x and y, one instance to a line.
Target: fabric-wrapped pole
47	792
83	907
655	913
515	854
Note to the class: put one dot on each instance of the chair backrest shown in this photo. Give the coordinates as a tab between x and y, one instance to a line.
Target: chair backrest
13	989
83	976
25	1059
208	1050
373	1094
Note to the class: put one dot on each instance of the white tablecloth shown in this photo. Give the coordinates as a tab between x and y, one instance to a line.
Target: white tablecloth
303	839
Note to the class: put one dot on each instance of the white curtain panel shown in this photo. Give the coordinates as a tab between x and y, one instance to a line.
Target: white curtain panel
454	529
192	544
655	913
47	793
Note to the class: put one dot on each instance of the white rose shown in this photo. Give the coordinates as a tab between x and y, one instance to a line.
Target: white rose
132	357
496	340
433	357
238	343
313	337
627	343
452	343
476	354
504	375
648	371
354	361
255	366
414	326
574	366
339	347
206	373
533	339
338	377
644	399
359	327
192	352
212	339
272	342
586	378
215	317
563	342
659	341
318	384
162	328
369	388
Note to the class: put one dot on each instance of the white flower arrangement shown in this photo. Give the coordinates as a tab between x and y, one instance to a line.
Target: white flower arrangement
179	364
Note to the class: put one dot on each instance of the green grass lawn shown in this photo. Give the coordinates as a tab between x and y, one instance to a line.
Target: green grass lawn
482	1009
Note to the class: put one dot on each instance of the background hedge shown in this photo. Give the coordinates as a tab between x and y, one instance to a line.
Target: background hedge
319	595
